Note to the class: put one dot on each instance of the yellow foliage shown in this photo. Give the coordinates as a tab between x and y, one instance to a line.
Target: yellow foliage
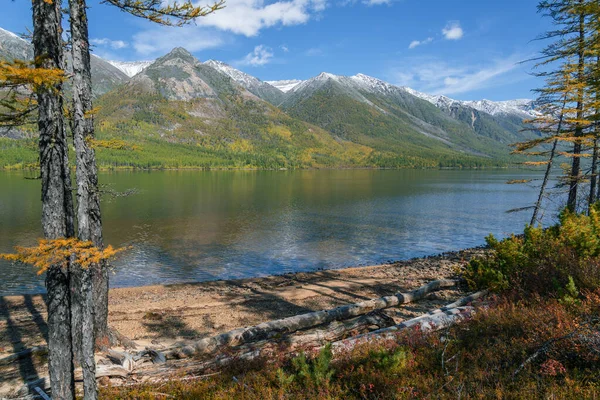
280	131
23	73
59	252
114	144
242	146
535	163
166	13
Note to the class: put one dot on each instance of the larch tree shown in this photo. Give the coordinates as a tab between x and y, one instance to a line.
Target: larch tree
57	201
568	103
569	18
76	268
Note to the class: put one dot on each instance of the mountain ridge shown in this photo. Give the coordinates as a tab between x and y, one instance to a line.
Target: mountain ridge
234	118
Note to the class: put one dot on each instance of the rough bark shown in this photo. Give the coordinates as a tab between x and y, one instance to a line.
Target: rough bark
57	201
88	198
288	325
90	281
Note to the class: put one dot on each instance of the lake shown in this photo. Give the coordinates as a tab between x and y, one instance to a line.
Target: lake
204	225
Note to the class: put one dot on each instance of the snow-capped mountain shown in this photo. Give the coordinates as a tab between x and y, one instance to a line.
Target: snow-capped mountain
285	85
252	84
130	68
525	106
351	86
12	46
520	107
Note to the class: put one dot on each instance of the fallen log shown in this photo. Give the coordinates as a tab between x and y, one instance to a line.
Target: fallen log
286	345
313	340
461	302
429	322
277	328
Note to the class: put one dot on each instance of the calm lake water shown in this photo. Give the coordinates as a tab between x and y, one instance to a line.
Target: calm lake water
194	226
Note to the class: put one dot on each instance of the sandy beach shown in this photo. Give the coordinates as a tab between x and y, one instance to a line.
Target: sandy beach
161	315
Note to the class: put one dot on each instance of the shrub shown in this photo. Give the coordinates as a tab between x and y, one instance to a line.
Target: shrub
552	261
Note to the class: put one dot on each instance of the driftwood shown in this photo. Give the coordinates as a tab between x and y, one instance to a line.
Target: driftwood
149	364
285	345
434	320
336	333
277	328
425	323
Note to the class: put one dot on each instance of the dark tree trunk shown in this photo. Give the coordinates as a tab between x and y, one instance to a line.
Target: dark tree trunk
576	165
538	204
88	199
57	201
592	198
91	283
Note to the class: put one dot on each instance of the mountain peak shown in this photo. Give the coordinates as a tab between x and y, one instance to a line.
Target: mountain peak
179	52
326	75
254	85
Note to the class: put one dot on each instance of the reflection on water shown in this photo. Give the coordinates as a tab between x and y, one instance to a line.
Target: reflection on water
192	225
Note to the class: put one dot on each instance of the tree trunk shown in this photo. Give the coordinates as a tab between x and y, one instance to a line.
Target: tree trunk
288	325
88	198
592	197
429	322
57	201
575	167
538	204
88	202
343	335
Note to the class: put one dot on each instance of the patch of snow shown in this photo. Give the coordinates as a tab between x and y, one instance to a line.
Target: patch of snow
130	68
11	34
373	84
285	85
522	107
245	79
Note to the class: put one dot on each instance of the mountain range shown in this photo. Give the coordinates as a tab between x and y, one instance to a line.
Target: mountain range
176	111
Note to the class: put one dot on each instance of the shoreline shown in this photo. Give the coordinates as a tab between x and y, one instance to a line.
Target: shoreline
160	315
289	275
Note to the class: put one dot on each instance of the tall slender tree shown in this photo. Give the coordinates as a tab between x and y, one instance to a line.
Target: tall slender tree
77	278
57	200
91	314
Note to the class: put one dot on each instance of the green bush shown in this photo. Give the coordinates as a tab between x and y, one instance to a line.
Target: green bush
317	371
555	261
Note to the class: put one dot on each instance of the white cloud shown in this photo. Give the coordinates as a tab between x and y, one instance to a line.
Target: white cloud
284	48
113	44
162	39
453	31
249	17
416	43
435	76
314	52
376	2
261	55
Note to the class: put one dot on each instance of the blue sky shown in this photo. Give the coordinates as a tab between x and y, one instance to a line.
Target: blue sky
465	49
